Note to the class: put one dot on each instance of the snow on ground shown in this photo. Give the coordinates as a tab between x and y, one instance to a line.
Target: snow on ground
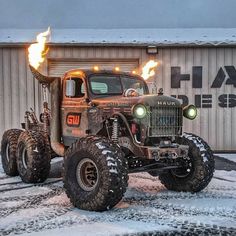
229	156
146	207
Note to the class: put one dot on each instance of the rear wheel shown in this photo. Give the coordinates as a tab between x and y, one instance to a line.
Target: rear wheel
33	157
197	170
95	174
8	151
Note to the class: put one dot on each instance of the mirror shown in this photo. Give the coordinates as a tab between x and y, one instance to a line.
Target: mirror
70	88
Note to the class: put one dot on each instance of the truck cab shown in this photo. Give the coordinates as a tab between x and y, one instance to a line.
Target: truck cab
87	94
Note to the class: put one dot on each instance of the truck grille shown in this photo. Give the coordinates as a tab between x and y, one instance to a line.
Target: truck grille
165	121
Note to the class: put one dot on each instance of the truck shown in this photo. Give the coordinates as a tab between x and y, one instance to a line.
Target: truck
106	125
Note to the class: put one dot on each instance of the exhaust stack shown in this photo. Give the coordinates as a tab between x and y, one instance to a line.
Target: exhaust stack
42	78
55	128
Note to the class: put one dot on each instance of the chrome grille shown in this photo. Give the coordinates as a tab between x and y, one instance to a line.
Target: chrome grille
165	121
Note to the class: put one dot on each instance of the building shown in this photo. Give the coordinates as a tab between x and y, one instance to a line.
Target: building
196	48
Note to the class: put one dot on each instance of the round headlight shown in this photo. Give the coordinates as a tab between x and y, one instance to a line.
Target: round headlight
139	111
190	112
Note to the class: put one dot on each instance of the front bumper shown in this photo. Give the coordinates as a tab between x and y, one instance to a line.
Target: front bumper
171	152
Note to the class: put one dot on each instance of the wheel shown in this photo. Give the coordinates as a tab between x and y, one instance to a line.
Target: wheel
197	170
95	174
8	151
33	157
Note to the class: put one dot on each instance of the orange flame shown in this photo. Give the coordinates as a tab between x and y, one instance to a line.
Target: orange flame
149	69
37	51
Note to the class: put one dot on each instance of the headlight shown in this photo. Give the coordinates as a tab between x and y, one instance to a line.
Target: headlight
190	112
139	111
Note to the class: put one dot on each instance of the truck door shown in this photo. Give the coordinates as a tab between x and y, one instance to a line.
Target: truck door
74	111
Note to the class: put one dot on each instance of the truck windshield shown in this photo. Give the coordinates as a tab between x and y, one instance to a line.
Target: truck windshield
115	85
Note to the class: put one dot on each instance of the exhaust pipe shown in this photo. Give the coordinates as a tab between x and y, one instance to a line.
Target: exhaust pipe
55	127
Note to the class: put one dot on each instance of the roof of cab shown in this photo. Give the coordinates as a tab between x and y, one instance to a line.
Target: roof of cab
85	73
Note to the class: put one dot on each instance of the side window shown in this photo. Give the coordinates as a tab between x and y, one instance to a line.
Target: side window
79	87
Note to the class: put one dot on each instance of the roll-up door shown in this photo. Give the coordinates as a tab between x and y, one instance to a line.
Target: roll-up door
59	67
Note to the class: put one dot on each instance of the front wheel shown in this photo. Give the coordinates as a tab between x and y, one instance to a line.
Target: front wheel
197	170
95	174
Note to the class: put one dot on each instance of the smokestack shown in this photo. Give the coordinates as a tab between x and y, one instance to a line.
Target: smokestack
55	127
42	78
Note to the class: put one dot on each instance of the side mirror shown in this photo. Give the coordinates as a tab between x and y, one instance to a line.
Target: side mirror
70	88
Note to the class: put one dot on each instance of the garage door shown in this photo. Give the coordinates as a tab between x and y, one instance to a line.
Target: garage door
59	67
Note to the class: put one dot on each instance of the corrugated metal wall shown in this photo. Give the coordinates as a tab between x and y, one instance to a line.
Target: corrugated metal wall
216	124
18	91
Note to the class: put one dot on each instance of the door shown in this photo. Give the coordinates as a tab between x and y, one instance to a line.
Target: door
74	112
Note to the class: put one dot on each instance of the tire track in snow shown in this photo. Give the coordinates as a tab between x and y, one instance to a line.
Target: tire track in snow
38	223
33	202
29	185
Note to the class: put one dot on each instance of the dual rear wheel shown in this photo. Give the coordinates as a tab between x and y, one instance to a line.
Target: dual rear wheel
26	153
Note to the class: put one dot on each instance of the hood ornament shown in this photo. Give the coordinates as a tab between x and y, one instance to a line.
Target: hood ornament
160	91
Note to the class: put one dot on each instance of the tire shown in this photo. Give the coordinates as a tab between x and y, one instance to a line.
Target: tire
110	174
33	157
200	171
8	151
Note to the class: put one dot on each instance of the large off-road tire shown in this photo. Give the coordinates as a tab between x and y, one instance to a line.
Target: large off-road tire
33	157
95	174
197	175
8	151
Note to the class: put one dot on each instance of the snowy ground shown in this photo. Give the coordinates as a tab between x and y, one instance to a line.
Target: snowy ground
147	209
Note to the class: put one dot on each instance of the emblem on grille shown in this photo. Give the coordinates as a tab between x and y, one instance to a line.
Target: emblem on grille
166	103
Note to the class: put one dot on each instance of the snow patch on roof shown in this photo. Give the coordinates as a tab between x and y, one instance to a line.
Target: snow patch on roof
159	37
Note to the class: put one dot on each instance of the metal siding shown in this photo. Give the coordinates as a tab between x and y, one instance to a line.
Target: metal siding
14	85
221	112
204	121
188	125
17	88
7	87
213	113
228	54
216	125
2	100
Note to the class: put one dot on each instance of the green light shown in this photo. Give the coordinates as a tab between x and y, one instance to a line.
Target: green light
190	112
139	111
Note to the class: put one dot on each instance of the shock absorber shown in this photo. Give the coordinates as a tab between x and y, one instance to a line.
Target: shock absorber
115	127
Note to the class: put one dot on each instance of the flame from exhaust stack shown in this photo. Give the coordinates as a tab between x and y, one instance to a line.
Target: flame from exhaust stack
37	51
149	69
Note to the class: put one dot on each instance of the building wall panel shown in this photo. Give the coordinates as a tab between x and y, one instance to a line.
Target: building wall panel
18	90
214	124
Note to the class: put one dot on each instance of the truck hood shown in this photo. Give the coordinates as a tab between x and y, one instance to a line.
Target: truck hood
148	100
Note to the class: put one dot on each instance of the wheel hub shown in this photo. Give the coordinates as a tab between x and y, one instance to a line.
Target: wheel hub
25	158
87	174
8	152
185	170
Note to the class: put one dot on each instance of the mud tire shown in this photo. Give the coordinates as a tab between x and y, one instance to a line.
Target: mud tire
34	147
112	169
203	164
8	151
